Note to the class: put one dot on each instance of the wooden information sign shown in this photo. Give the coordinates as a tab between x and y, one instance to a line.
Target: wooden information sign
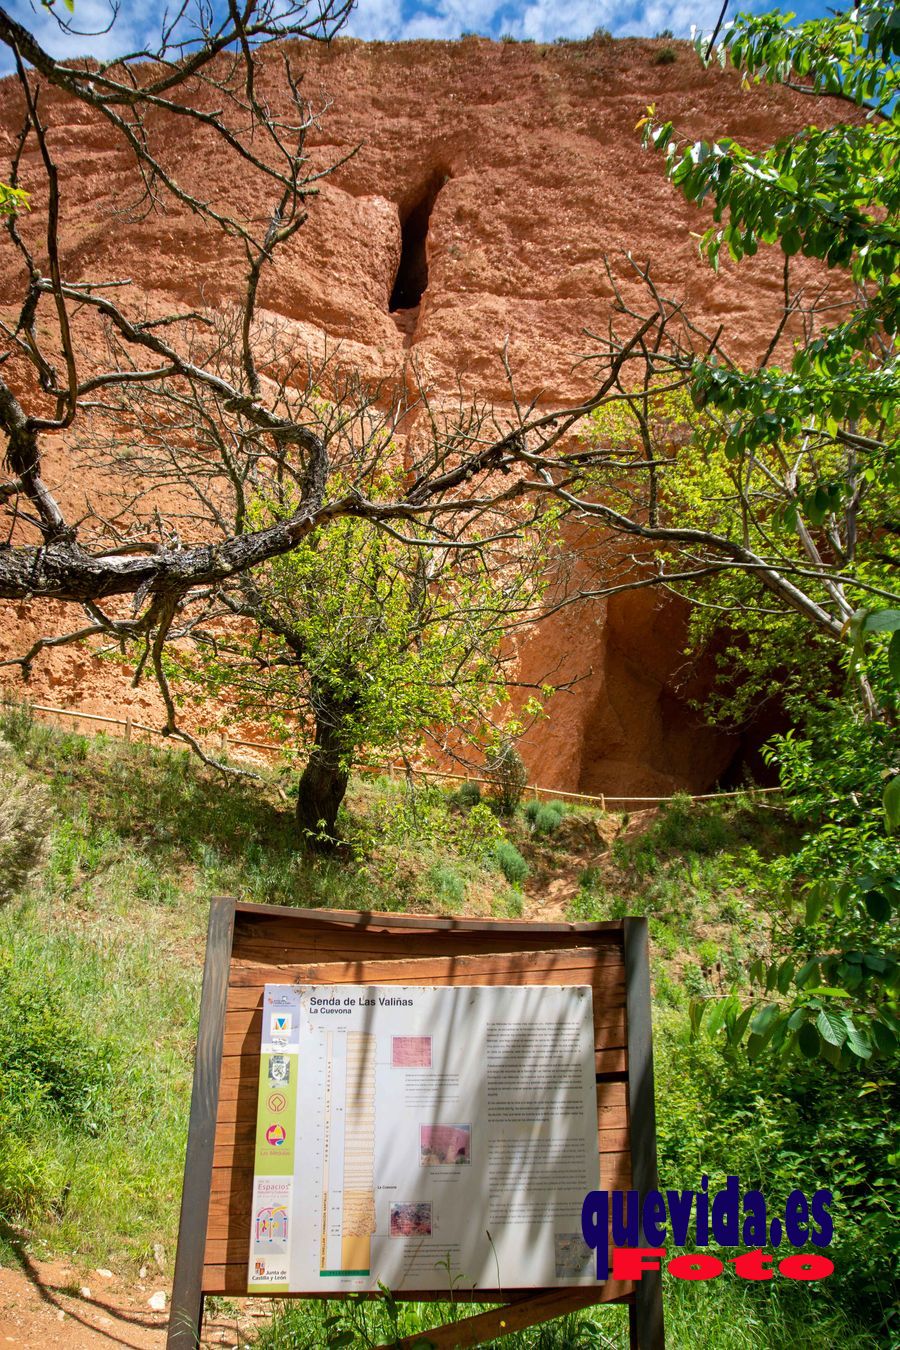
250	946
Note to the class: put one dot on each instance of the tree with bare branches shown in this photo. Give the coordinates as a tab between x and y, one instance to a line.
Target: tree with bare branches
211	454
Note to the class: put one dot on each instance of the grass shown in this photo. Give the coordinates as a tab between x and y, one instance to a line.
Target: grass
722	1315
693	872
370	1323
106	943
138	840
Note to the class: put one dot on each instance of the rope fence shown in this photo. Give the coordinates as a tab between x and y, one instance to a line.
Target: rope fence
602	799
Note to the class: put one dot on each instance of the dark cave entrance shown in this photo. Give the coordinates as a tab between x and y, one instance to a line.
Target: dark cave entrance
412	273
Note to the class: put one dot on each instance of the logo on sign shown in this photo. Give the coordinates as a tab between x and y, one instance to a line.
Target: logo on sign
277	1102
276	1135
281	1024
279	1070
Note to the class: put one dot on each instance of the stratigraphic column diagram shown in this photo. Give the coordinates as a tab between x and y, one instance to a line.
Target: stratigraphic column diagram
359	1155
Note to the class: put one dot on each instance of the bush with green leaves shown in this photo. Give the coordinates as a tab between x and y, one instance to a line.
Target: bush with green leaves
56	1074
466	796
544	817
785	1125
830	988
447	886
510	862
509	777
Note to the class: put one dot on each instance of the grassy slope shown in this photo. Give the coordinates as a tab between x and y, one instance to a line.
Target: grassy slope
109	937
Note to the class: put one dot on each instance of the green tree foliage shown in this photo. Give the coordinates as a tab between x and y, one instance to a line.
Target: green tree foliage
793	478
371	641
813	442
12	200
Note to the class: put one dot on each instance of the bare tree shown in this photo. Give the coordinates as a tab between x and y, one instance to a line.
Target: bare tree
380	631
209	414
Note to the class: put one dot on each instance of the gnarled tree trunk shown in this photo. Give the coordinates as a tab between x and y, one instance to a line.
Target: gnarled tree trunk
323	783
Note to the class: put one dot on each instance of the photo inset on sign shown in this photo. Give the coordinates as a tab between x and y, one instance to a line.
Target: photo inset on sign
411	1220
411	1052
443	1144
272	1226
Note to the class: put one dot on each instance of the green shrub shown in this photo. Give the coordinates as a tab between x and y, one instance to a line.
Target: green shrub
25	817
665	57
16	722
510	862
544	817
785	1125
56	1078
47	1047
708	952
466	796
446	885
509	777
511	904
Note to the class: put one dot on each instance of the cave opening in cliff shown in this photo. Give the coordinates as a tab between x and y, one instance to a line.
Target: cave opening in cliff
412	272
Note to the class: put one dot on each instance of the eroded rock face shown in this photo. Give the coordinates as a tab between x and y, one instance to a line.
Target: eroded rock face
502	174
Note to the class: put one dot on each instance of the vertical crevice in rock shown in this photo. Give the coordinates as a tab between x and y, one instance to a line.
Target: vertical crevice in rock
412	273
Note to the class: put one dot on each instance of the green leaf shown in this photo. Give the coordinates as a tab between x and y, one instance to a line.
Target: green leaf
891	802
807	971
815	903
785	975
808	1040
882	621
894	657
878	906
856	1043
885	1039
830	1053
832	1027
736	1032
695	1013
755	1046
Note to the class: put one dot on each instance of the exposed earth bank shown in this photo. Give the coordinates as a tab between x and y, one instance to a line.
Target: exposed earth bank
518	169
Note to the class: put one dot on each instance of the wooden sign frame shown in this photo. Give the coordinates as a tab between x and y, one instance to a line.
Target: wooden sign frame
248	945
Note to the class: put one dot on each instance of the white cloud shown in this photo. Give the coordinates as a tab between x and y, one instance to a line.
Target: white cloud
96	29
542	20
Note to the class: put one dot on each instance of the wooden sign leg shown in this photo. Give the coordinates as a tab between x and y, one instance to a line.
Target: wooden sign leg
647	1312
186	1312
499	1321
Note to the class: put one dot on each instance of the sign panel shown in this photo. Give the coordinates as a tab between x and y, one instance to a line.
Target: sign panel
423	1137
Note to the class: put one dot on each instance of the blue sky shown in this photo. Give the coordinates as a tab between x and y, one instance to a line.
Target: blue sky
391	20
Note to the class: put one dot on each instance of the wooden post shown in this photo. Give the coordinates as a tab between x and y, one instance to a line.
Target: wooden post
186	1313
128	729
646	1318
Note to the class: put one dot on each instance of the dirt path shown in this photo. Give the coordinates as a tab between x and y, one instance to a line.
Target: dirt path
45	1304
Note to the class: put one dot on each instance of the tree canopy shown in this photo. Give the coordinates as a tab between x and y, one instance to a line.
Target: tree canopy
791	479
